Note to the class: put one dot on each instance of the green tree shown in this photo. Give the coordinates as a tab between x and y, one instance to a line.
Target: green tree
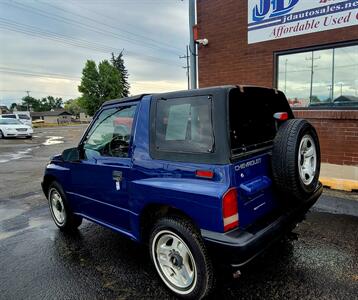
98	85
315	99
118	63
74	106
31	103
44	104
13	106
50	103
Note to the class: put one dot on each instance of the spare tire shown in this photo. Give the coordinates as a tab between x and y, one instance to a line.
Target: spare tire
296	159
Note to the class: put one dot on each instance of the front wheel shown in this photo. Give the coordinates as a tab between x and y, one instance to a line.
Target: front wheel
1	135
180	258
59	208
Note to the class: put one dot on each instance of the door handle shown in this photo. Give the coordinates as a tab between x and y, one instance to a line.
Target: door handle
117	175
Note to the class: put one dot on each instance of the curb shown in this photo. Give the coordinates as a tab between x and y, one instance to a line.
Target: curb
340	184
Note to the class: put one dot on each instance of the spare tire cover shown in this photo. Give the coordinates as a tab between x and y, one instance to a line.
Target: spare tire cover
296	159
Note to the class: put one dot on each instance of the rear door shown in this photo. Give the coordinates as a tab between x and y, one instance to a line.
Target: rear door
252	130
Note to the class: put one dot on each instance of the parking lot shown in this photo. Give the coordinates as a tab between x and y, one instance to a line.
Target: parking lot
40	262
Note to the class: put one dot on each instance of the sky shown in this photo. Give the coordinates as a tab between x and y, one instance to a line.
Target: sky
45	44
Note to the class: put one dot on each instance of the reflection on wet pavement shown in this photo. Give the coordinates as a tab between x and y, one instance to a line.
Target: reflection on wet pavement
4	158
53	140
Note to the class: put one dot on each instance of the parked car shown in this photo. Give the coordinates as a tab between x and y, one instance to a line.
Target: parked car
23	117
218	172
14	128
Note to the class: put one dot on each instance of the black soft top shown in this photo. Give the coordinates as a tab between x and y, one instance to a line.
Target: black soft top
177	94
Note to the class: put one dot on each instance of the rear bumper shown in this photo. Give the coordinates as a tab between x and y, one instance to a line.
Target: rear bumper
239	247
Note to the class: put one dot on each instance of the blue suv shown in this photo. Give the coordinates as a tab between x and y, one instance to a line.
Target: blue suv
225	170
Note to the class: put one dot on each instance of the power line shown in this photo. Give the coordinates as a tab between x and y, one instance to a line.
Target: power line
142	37
70	21
64	39
36	74
39	92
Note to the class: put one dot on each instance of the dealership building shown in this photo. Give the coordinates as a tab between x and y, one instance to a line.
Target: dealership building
308	49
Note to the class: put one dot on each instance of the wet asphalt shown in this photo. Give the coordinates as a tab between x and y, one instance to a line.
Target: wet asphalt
37	261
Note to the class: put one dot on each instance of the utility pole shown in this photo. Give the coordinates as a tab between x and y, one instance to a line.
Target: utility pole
286	75
333	63
192	45
187	65
312	59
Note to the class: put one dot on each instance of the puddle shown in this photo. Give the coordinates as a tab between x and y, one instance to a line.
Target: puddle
10	213
53	140
4	158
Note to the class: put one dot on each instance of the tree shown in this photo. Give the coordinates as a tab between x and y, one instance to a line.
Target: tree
44	104
50	103
13	106
98	85
74	106
315	99
118	63
31	103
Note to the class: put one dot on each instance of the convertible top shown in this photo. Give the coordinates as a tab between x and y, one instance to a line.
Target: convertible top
177	94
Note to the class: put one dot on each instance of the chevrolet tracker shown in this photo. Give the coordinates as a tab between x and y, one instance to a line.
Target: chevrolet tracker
225	170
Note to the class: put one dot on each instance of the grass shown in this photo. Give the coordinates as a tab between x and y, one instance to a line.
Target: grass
44	125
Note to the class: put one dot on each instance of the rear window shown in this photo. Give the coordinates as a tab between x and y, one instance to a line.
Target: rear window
24	117
9	116
184	125
252	124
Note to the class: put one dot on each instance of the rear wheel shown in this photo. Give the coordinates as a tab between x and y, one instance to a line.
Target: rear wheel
60	211
180	258
296	159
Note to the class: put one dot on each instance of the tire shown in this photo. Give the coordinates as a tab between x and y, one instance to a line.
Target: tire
61	214
183	263
1	135
29	137
296	159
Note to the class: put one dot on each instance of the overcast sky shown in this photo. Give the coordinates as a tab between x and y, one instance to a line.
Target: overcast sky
45	44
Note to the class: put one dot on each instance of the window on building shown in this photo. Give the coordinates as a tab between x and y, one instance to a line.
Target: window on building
320	78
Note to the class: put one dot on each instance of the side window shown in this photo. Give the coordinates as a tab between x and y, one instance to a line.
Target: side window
110	135
184	125
24	117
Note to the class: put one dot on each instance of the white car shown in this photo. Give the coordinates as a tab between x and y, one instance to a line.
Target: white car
14	128
23	117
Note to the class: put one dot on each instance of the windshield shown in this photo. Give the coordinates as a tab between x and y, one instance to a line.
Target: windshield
252	124
7	121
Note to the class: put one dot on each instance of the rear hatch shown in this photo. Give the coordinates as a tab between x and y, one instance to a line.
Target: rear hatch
252	130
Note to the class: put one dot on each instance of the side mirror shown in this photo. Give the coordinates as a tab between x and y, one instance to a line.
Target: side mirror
71	155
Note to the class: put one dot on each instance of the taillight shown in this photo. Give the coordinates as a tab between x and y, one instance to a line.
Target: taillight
281	116
230	210
204	174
